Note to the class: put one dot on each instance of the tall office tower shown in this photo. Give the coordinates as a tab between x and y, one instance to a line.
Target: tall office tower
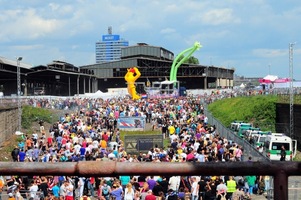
109	49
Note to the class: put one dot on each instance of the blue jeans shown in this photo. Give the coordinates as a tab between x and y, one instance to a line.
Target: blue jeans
194	197
267	184
251	189
91	188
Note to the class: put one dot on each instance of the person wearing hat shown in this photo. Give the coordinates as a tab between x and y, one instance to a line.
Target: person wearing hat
11	196
150	195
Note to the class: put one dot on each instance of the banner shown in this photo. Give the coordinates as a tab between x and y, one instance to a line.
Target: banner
142	143
131	123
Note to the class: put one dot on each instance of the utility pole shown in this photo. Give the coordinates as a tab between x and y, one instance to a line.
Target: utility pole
291	89
19	93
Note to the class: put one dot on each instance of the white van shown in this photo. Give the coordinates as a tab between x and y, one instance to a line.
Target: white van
273	143
39	91
235	126
248	134
259	137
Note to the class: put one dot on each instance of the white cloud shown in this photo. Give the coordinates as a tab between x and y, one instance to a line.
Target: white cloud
54	6
26	47
167	31
172	8
26	24
249	33
219	16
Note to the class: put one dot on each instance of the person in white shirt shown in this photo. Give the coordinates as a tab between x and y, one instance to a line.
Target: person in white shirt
75	139
111	155
68	190
68	145
81	183
129	192
95	144
221	188
194	189
76	148
33	189
35	138
174	183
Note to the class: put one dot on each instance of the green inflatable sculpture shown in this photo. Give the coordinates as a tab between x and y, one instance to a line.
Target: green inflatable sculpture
178	62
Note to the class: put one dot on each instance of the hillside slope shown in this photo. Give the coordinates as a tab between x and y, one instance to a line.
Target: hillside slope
259	110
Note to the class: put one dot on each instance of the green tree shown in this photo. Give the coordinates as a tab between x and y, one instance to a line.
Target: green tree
190	60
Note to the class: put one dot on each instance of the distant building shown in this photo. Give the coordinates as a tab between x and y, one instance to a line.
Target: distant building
154	64
109	49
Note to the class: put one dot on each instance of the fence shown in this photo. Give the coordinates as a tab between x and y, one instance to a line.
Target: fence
280	170
231	136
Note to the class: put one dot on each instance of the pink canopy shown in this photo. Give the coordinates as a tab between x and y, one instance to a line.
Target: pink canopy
264	80
282	80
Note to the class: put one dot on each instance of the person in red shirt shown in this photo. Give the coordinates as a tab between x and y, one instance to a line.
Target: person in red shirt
64	141
150	196
49	141
105	137
190	156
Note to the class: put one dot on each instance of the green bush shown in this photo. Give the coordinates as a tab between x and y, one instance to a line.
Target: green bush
31	114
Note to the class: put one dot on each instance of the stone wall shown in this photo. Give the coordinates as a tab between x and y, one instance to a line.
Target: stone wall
8	123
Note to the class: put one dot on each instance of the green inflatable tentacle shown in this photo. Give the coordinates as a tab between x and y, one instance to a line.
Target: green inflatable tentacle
175	72
176	64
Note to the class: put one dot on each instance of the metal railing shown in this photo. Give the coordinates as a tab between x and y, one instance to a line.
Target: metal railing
248	149
279	170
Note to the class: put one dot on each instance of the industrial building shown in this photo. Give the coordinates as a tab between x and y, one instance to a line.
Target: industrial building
56	78
64	79
154	63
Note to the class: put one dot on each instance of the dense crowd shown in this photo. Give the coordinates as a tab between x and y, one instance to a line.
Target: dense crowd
91	134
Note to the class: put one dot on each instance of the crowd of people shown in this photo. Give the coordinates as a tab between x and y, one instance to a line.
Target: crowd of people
91	134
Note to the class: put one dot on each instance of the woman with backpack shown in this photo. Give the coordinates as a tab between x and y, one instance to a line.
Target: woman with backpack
104	191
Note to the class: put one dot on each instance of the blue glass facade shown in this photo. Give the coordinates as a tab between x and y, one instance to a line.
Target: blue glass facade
109	49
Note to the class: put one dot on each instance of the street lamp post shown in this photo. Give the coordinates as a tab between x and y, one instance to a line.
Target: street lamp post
19	92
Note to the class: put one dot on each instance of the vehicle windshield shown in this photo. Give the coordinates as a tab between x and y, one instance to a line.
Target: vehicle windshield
277	146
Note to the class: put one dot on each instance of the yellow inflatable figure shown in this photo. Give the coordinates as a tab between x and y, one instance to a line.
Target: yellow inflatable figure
131	76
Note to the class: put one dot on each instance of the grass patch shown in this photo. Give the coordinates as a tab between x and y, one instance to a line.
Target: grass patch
31	114
124	133
166	141
259	110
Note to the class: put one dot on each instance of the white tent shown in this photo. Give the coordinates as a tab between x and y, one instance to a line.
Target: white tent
98	94
271	78
242	85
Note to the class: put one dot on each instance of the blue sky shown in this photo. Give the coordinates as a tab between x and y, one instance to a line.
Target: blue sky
251	36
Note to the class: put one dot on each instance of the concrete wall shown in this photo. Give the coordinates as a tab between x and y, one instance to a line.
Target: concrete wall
8	123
